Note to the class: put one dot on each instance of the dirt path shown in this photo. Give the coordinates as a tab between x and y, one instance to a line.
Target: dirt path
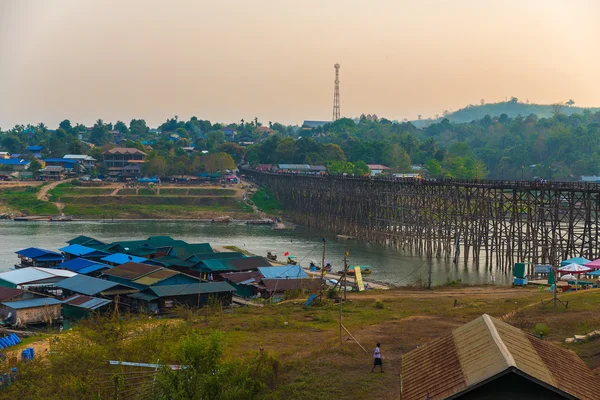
43	193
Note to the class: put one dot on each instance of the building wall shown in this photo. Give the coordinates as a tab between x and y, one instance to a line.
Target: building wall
36	315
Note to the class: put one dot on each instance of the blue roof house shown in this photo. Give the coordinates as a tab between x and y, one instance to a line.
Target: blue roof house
83	266
34	257
77	250
120	258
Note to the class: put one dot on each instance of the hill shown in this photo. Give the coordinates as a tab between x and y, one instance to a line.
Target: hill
511	108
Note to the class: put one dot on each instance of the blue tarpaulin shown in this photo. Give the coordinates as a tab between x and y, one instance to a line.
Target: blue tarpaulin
288	271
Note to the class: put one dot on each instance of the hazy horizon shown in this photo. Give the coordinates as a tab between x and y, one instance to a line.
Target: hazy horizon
118	60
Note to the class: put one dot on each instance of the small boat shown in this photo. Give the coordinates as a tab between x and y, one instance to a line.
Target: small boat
61	218
291	260
222	220
271	255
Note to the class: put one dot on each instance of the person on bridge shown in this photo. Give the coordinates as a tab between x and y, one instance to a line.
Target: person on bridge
377	358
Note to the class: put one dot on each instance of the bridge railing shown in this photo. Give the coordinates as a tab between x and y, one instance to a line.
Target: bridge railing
496	183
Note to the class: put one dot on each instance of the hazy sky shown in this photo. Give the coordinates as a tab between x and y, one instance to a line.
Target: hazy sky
225	60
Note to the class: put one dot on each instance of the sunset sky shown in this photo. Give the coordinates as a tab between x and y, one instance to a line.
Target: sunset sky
273	59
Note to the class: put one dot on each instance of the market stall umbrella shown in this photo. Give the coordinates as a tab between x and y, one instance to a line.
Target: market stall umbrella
595	273
594	264
575	260
574	269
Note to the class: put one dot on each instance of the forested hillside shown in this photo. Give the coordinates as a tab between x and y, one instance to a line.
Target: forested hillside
512	109
561	146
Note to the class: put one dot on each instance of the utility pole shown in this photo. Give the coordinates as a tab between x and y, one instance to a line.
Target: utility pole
323	263
345	270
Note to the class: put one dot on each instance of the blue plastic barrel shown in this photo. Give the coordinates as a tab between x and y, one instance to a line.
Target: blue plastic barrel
17	339
4	342
31	353
10	340
25	355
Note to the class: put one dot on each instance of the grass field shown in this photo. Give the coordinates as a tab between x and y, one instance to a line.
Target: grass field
24	200
67	189
265	201
313	364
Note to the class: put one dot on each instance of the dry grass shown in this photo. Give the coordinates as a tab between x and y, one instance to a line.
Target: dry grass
315	365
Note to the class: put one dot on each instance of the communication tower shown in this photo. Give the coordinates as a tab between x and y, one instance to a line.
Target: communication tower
336	94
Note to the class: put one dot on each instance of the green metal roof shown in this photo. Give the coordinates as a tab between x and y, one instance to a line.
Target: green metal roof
168	261
188	250
216	265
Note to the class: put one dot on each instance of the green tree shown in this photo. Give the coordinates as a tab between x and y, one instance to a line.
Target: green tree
121	127
99	135
208	376
216	162
360	168
157	166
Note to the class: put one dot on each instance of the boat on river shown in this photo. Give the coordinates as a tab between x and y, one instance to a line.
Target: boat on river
61	218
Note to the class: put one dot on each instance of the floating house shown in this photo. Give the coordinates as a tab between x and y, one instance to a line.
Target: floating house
86	241
120	258
80	306
44	310
163	298
33	277
83	266
13	294
76	250
89	286
141	276
272	281
34	257
490	359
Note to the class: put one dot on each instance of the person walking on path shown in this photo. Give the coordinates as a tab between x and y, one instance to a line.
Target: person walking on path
377	358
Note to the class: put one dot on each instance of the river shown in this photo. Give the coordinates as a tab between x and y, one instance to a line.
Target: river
388	265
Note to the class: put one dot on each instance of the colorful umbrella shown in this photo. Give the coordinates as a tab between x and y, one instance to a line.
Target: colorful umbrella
575	260
574	269
594	264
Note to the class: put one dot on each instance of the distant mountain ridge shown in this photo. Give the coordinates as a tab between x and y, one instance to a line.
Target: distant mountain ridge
511	108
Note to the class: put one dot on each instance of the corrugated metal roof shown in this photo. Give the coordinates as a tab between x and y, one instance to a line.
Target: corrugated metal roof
168	261
85	240
88	285
192	288
79	250
216	265
27	275
36	253
288	271
248	263
87	302
120	258
31	303
83	266
142	296
240	277
8	293
132	270
483	349
185	251
155	277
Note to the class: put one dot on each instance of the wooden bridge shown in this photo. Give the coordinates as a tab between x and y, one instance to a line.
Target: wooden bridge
493	223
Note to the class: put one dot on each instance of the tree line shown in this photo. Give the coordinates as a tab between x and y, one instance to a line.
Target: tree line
560	147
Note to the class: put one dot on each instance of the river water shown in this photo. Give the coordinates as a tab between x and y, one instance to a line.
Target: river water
388	265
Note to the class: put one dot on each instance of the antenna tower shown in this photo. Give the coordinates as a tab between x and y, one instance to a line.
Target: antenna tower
336	94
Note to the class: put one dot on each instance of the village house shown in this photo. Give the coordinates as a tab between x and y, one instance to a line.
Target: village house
43	310
490	359
35	257
88	162
164	298
124	162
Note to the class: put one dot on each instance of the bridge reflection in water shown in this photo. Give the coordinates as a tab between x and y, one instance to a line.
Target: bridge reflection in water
494	223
